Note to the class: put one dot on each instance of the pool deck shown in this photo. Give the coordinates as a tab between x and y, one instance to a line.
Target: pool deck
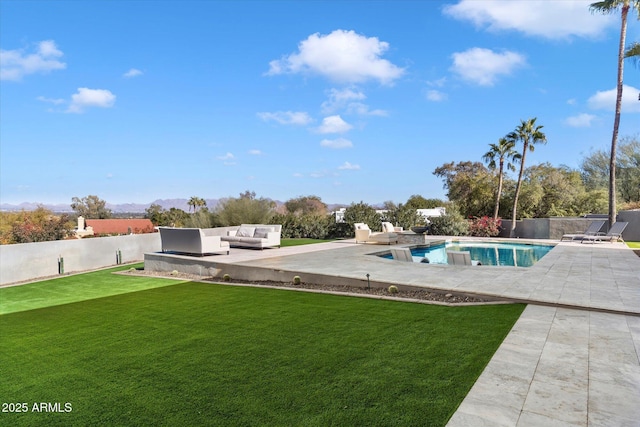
572	359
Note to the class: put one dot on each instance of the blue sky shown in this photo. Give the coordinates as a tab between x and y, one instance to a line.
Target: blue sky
347	100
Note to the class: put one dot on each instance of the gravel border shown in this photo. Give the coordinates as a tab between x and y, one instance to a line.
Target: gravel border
412	295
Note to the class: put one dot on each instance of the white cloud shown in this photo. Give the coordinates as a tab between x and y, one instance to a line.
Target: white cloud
349	101
541	18
15	64
340	98
256	152
606	100
436	95
134	72
363	110
227	156
581	120
437	83
334	124
336	143
298	175
342	56
349	166
571	101
56	101
287	117
484	66
86	98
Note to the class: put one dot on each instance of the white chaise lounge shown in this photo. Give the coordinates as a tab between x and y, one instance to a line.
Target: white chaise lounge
388	236
193	241
461	258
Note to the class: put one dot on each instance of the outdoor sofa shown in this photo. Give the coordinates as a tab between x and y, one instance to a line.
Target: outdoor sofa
254	236
193	241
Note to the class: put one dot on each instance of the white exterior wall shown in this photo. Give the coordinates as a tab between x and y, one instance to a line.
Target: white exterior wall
30	261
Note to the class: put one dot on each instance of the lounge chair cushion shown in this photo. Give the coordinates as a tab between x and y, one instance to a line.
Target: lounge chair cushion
387	227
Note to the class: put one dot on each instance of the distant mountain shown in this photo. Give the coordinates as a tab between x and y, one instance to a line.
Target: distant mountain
27	206
119	208
115	207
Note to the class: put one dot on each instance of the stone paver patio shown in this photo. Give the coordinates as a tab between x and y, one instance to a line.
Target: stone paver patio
572	359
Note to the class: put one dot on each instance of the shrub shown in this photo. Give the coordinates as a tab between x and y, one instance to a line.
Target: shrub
226	277
485	227
393	289
296	280
452	224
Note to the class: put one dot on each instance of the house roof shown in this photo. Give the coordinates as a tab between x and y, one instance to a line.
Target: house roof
120	226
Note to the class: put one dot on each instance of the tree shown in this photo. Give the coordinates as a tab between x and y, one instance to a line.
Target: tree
362	212
304	205
502	151
195	203
468	185
633	51
529	134
154	213
595	169
246	209
91	207
40	225
402	215
418	202
607	7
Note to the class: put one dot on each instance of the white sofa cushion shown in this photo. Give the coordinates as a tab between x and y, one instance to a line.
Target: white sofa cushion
261	232
245	232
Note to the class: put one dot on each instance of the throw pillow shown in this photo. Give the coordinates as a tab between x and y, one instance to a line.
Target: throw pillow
261	232
245	232
387	227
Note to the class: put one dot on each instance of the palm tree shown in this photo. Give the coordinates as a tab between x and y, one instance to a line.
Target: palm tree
193	203
633	51
530	135
606	7
501	151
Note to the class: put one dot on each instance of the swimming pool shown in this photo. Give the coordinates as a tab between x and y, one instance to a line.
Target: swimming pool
488	253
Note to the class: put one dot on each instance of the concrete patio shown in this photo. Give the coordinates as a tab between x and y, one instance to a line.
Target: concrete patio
572	359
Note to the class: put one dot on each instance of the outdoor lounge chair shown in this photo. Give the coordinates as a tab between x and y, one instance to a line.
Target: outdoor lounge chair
592	230
613	235
364	234
402	254
460	258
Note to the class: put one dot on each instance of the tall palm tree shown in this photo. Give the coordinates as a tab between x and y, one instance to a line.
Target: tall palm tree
633	51
529	134
193	203
502	151
607	7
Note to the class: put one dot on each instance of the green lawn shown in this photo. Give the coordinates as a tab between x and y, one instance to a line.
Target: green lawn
79	287
206	354
298	242
634	245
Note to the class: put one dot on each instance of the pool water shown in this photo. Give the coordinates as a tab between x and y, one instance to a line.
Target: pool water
488	253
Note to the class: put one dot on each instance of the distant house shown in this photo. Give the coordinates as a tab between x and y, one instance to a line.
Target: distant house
97	227
426	213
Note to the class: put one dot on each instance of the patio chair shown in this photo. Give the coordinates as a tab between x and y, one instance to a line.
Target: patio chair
592	230
365	235
461	258
613	235
402	254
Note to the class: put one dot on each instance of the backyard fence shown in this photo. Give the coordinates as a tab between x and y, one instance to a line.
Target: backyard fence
29	261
